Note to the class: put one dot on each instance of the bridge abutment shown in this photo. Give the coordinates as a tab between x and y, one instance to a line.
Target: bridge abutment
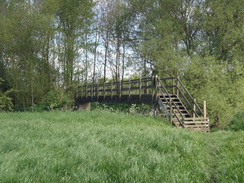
84	106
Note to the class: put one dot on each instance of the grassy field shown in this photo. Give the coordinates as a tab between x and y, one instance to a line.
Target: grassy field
99	146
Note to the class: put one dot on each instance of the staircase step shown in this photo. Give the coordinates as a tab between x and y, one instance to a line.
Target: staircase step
180	112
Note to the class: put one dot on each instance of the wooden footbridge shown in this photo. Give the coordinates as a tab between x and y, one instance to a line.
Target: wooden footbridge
169	94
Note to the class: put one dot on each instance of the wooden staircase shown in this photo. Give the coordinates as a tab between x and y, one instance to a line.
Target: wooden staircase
183	113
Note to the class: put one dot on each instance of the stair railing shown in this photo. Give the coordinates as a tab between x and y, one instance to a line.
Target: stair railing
184	95
191	103
169	102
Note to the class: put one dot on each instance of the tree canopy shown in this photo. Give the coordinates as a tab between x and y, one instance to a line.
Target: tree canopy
53	45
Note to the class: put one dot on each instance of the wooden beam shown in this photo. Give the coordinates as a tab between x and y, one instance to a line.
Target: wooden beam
204	109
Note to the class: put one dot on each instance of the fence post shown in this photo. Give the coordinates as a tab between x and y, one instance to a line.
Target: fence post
120	87
155	89
177	86
104	91
204	109
129	88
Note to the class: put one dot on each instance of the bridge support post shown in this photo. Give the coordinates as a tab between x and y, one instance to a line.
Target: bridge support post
84	106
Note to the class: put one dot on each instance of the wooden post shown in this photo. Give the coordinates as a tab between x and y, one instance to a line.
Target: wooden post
152	88
156	84
173	88
104	91
129	88
177	86
171	112
155	89
120	87
204	109
194	109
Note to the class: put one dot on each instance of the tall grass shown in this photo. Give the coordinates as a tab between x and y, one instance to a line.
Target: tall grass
101	146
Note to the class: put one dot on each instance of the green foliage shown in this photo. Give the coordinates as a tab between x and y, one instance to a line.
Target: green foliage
237	123
51	43
6	103
57	99
210	80
125	108
100	146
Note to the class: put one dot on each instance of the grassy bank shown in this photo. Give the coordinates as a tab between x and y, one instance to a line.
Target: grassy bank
100	146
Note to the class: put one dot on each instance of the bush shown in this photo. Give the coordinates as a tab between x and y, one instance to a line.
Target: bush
126	108
57	99
237	123
6	103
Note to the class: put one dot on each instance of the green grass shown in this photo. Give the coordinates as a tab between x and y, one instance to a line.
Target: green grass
100	146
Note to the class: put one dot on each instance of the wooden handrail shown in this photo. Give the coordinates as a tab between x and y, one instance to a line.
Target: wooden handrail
192	99
169	103
187	101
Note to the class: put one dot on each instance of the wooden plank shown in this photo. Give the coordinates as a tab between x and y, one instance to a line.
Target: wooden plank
197	123
198	119
196	126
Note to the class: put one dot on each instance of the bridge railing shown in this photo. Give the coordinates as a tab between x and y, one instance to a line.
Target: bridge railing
128	87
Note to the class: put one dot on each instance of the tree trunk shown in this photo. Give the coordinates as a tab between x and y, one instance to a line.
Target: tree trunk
105	59
117	64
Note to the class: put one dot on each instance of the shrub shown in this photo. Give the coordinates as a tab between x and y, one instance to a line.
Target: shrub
5	101
237	123
57	99
126	108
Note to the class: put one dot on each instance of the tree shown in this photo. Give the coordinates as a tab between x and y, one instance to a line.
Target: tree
74	18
